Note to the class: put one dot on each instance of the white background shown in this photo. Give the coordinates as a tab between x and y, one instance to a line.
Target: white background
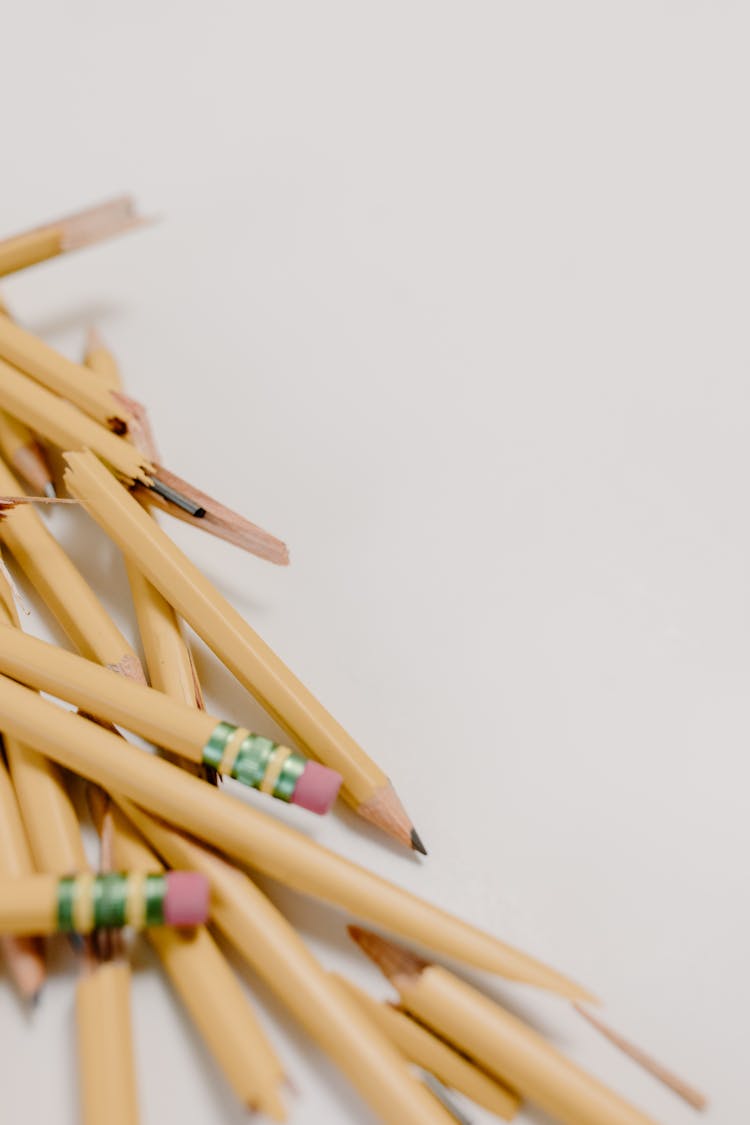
455	299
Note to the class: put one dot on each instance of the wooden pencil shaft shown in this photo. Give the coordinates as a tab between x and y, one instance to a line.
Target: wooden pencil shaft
24	955
508	1047
168	660
65	426
61	585
28	905
116	699
224	630
71	232
103	693
423	1049
48	815
260	933
61	375
101	361
15	852
21	449
209	989
254	838
106	1059
29	249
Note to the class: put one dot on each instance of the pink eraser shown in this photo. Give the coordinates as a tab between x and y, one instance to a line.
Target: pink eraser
186	900
317	788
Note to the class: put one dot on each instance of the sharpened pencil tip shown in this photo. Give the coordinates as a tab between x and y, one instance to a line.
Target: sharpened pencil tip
416	842
49	490
34	999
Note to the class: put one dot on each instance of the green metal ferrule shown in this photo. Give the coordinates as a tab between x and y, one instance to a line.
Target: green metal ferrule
66	894
214	749
290	774
154	892
110	896
252	760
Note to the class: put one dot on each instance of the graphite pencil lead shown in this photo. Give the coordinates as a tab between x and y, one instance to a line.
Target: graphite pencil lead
416	842
385	810
49	491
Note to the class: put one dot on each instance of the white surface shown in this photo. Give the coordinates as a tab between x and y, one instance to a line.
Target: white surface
467	286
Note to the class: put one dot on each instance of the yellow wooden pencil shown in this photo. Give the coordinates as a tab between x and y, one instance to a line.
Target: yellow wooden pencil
260	933
48	814
23	452
62	587
71	232
24	956
499	1041
255	839
234	751
237	645
424	1049
104	1032
48	904
210	992
64	425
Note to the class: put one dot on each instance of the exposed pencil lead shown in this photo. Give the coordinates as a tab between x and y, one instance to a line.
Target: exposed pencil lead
49	491
416	842
175	497
35	998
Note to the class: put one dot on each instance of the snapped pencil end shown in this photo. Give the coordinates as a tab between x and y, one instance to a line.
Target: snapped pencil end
94	341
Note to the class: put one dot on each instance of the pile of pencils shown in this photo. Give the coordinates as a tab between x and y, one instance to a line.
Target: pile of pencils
174	845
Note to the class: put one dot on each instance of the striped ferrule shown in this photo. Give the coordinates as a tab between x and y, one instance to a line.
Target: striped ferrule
92	902
254	760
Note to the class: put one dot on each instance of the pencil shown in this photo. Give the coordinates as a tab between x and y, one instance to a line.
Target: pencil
106	1056
48	904
253	838
210	992
237	645
499	1041
24	956
67	427
64	425
62	587
104	1032
263	937
99	359
62	376
425	1050
72	232
46	808
233	751
216	518
20	449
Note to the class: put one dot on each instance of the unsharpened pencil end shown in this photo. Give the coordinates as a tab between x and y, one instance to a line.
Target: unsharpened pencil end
187	899
317	788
